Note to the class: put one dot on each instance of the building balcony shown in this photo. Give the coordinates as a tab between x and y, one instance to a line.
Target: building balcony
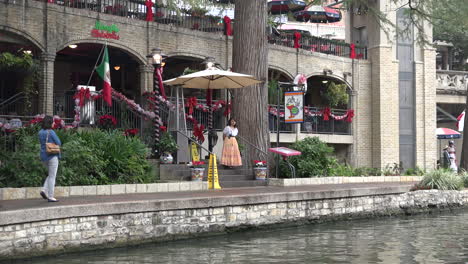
137	9
451	86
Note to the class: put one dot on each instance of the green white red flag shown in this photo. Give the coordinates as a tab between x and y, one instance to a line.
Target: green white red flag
104	71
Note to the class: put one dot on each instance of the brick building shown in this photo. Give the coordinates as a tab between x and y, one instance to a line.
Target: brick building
391	85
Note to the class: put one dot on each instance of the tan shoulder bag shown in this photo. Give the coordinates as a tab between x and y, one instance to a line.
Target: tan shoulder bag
51	148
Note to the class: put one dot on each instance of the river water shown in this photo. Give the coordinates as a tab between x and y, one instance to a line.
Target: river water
434	238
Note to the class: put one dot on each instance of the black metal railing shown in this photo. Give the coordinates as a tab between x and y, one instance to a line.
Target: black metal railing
317	44
20	104
136	9
313	124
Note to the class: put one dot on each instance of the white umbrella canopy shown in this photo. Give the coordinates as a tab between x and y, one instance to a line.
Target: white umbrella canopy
213	79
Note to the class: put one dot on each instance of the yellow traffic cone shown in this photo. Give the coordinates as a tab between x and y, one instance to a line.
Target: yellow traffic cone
215	173
210	172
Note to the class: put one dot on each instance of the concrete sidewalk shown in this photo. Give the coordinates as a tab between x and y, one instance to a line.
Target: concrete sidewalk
30	210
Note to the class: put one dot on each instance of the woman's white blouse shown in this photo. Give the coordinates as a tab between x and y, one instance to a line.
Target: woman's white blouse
229	131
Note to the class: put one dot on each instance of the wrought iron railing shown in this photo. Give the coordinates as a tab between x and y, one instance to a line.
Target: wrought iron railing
313	124
19	104
317	44
136	9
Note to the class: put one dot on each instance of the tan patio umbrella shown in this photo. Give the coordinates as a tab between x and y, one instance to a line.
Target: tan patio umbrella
210	79
213	79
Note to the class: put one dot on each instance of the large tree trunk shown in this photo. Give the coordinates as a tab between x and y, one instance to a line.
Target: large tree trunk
250	56
464	154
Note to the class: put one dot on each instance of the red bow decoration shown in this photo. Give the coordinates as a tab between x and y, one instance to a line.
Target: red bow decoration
349	115
159	71
326	113
83	94
227	26
227	110
297	37
163	128
352	52
198	132
149	10
191	103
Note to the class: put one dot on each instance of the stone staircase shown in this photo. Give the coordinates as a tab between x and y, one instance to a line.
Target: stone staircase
228	178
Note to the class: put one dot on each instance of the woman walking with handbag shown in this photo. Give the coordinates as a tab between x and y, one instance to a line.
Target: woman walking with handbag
50	154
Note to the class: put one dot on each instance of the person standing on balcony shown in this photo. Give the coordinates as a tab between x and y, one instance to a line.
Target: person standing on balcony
231	154
51	161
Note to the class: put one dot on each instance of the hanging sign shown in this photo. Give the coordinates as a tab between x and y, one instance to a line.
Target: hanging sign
194	150
101	30
294	107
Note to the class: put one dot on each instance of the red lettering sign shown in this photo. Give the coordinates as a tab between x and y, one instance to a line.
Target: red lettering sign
102	34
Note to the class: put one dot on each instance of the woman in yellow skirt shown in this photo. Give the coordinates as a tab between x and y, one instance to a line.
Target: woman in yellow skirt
231	155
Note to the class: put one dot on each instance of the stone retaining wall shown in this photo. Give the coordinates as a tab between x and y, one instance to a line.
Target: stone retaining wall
33	192
80	233
341	180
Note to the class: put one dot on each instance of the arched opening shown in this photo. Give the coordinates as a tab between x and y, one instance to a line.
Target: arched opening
74	66
19	67
328	95
178	65
327	91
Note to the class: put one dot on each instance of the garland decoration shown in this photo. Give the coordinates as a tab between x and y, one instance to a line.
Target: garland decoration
326	113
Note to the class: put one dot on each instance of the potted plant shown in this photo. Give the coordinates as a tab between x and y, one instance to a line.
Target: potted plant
260	169
197	170
167	145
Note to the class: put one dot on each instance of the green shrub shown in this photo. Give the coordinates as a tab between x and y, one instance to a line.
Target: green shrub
346	170
442	179
316	159
88	158
414	172
464	175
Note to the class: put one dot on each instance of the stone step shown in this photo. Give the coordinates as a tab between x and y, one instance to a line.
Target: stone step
237	184
234	177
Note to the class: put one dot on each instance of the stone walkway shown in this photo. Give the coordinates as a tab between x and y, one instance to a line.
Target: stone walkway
20	205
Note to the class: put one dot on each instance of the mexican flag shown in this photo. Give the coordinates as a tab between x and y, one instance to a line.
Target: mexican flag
104	71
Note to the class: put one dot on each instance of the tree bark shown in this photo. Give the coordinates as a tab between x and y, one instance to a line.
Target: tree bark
464	153
250	56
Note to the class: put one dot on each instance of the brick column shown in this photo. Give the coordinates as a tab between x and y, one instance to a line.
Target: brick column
46	85
385	107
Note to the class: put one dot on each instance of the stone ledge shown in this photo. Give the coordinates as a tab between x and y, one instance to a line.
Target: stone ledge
201	200
340	180
67	191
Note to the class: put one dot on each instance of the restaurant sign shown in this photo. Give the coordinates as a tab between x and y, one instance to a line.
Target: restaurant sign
101	30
